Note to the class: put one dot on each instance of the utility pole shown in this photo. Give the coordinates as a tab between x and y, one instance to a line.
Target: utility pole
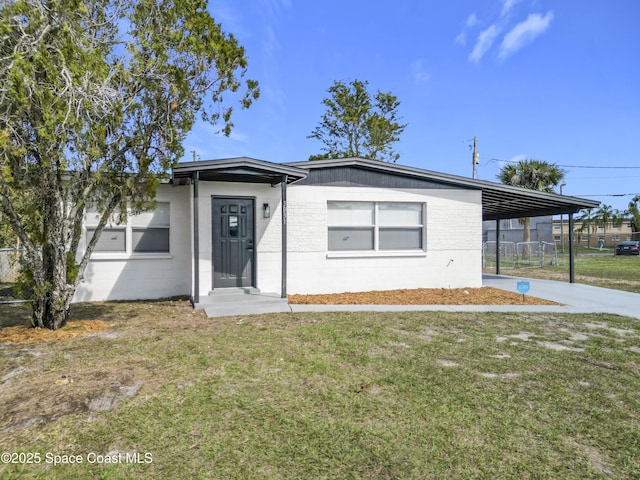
475	159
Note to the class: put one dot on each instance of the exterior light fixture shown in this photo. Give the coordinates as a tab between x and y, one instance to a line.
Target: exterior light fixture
266	210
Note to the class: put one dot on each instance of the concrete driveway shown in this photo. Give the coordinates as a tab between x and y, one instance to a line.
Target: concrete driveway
577	297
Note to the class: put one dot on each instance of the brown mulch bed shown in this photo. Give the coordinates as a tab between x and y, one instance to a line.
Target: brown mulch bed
24	334
423	296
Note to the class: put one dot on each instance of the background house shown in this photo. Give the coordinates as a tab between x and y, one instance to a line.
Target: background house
591	237
511	230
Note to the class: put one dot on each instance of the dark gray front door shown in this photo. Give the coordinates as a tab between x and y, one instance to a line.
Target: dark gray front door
233	252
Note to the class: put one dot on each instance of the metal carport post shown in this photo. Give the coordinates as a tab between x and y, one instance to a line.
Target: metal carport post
498	247
572	269
283	189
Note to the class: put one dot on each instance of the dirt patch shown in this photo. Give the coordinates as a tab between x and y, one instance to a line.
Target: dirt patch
46	375
423	296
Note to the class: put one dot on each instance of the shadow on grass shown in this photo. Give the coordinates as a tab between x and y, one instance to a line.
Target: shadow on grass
19	314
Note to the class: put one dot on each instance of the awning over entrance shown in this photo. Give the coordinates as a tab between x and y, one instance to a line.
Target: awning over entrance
241	169
245	170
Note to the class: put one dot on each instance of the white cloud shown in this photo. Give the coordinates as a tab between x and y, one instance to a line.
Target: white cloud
420	75
238	136
276	6
524	33
483	43
270	42
472	20
508	5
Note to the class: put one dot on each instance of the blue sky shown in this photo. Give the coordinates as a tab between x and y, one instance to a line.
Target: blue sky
557	81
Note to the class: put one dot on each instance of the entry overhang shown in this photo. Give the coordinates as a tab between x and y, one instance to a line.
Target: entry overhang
241	169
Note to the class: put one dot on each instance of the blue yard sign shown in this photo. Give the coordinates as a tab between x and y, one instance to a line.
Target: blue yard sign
523	287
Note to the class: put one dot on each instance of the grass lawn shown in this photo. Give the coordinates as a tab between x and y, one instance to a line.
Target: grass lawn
618	272
326	395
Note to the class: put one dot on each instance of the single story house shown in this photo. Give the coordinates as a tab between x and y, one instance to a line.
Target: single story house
323	226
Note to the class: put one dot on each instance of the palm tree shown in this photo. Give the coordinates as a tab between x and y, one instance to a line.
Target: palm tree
603	217
534	175
587	223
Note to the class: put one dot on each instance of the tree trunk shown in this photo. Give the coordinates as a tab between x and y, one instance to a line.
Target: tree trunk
52	296
51	310
52	299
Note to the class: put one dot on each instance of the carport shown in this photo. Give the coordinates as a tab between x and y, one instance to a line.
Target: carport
504	201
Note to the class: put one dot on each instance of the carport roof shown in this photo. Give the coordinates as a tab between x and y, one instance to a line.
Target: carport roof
498	200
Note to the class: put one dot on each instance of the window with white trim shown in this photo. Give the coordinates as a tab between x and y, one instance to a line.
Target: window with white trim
147	232
375	226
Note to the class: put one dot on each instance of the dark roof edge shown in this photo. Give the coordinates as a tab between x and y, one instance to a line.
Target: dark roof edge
450	179
270	167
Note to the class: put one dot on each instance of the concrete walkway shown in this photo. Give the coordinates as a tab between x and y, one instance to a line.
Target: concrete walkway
576	298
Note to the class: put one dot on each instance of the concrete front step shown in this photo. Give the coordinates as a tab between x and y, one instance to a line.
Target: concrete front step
241	301
247	308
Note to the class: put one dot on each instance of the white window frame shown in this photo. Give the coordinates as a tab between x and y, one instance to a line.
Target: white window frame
376	225
133	224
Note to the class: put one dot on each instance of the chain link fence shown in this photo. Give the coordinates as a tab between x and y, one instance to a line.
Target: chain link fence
9	271
507	253
536	254
9	264
520	254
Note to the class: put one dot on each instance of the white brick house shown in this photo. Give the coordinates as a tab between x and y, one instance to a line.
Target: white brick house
325	226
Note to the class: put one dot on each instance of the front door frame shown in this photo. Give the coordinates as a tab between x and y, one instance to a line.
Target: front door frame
254	226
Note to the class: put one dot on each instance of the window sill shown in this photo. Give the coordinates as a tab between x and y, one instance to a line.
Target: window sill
105	257
378	254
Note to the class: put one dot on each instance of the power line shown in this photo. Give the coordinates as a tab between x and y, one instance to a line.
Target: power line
608	195
600	178
591	166
569	166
